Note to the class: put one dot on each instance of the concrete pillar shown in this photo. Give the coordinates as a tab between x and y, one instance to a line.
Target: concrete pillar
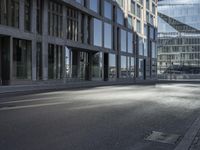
34	49
11	59
33	16
45	41
21	15
85	34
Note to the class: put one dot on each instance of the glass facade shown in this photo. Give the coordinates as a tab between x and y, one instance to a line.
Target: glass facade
77	40
178	37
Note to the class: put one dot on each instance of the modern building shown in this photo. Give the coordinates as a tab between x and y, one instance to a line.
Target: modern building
179	36
72	40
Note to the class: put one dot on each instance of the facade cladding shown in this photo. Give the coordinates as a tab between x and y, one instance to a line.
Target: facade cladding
70	40
179	36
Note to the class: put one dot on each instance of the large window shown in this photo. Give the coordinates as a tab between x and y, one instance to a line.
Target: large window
123	67
39	16
130	42
133	7
55	19
107	10
141	46
97	65
123	40
39	61
112	66
27	15
55	62
72	24
130	22
138	26
22	55
9	12
97	32
138	11
94	4
120	16
145	47
107	35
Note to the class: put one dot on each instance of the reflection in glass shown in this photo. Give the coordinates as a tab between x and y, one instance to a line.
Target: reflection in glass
112	66
97	32
107	10
123	40
107	35
123	67
97	65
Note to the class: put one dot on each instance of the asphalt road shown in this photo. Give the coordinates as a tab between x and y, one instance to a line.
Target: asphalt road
101	118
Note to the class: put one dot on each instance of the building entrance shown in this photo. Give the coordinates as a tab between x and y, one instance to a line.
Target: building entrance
4	60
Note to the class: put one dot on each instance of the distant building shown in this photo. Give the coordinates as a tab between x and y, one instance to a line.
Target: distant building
52	40
179	36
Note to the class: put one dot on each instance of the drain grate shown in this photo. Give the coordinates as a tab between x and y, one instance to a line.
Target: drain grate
163	137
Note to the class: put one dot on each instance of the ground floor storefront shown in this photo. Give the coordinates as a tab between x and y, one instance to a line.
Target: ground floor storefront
26	61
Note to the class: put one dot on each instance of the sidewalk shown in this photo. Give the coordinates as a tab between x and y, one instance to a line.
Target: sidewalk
196	142
191	140
41	87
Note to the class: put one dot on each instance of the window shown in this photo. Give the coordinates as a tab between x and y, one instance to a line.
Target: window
97	36
123	70
153	8
94	5
39	16
39	61
107	35
130	42
55	62
112	66
123	40
107	10
9	13
130	22
55	19
145	48
153	48
141	46
138	11
147	4
138	26
27	15
133	7
22	59
120	16
72	24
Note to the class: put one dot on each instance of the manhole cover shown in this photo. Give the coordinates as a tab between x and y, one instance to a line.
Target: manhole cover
163	137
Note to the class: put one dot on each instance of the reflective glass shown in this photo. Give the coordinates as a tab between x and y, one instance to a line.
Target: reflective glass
97	32
107	35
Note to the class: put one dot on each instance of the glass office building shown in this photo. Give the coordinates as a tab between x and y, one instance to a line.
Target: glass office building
74	40
179	37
